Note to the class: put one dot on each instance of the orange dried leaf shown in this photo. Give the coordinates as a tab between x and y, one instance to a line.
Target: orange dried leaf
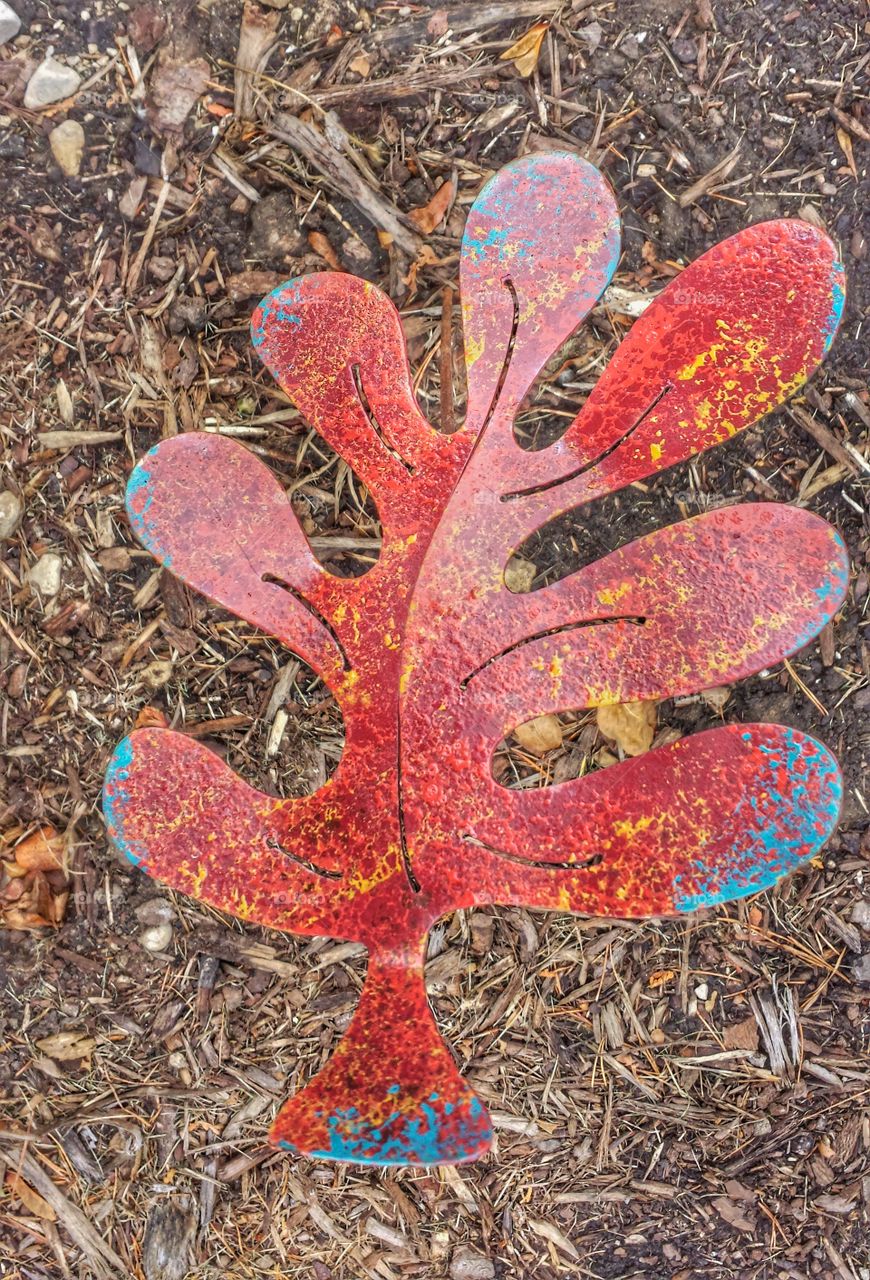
32	1201
57	907
320	244
524	54
16	918
846	147
660	977
361	65
151	718
428	216
41	851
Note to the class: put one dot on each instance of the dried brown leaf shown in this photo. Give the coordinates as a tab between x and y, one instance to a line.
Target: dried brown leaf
846	147
320	244
32	1201
526	51
67	1046
42	851
631	725
540	735
428	216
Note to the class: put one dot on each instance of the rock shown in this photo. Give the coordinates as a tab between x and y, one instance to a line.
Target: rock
275	233
252	284
146	159
157	673
519	574
861	970
11	511
157	937
861	914
467	1264
685	50
67	142
44	576
50	82
155	911
162	269
115	559
10	23
187	313
12	146
666	114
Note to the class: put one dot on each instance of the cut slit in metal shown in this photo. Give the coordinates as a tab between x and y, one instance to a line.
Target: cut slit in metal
581	864
373	422
594	462
304	862
275	581
634	619
508	355
403	838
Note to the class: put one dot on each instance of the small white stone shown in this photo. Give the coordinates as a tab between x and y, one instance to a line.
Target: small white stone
50	82
702	991
468	1264
44	576
155	911
861	914
10	23
10	514
157	938
67	142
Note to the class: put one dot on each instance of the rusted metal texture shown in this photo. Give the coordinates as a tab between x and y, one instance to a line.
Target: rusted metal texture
433	659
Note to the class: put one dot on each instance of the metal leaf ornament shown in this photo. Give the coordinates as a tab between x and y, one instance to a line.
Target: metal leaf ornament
433	659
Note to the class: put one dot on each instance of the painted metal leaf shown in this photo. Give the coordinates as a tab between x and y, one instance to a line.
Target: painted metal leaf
432	658
540	245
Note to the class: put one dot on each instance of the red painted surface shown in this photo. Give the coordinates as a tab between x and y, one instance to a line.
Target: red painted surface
433	659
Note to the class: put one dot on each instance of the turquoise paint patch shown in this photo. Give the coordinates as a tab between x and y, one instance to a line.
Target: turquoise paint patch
771	843
139	499
838	301
477	245
277	306
501	195
420	1138
830	594
116	798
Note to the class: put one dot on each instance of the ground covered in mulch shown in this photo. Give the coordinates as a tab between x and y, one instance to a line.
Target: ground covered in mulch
671	1099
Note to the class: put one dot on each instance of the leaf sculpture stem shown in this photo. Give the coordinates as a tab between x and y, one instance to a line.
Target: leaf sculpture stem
433	659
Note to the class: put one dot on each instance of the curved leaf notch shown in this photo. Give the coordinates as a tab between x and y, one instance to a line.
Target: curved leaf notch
433	659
